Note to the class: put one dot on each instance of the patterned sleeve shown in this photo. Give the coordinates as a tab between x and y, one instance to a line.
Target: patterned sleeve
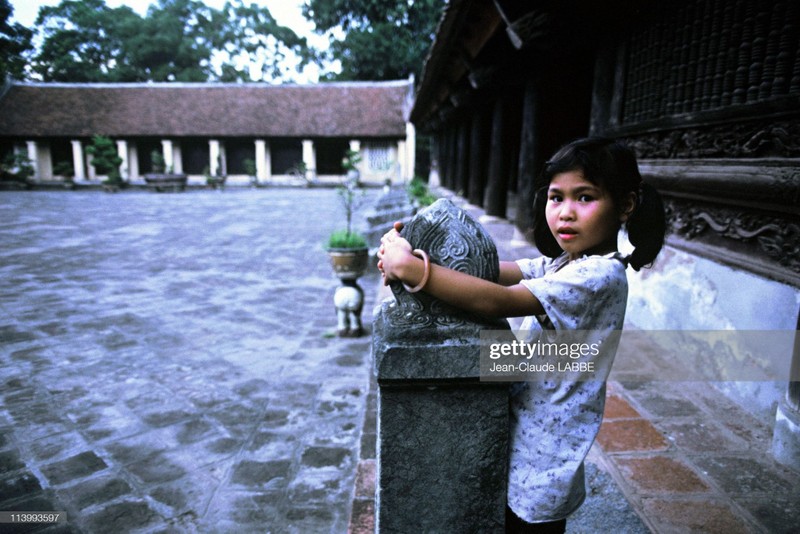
532	268
585	295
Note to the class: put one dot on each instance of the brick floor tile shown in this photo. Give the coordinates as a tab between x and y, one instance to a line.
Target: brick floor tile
365	478
630	435
618	407
363	518
661	474
701	516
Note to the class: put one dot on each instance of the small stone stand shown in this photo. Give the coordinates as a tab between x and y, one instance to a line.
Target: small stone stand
442	433
165	182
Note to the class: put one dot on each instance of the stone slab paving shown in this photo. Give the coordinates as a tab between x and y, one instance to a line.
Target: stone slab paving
167	365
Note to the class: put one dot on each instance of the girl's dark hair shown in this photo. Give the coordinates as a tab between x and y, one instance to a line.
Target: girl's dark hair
609	164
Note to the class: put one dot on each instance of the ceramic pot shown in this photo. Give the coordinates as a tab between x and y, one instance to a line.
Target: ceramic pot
349	263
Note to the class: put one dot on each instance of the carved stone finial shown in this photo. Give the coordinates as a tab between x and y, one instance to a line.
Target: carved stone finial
453	239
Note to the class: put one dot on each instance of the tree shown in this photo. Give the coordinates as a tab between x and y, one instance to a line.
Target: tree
384	39
84	41
15	44
178	40
105	158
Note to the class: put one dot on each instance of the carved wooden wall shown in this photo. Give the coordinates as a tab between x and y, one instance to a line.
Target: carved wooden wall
708	94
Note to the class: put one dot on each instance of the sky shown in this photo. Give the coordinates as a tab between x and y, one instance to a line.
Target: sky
286	12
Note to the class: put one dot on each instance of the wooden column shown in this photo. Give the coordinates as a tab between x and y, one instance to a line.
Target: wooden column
451	155
499	162
529	155
461	185
478	156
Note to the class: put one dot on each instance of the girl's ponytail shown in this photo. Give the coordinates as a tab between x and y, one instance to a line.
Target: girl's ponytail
646	227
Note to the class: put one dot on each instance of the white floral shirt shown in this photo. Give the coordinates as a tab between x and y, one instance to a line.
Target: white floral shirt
554	423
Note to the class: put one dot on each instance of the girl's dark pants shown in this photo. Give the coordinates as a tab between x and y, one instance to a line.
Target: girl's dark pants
515	525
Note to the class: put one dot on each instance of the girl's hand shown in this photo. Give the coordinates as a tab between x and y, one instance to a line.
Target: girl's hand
393	253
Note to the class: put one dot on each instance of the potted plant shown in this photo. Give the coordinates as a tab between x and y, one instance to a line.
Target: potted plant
350	164
214	181
66	170
251	171
106	160
162	178
15	171
419	193
348	249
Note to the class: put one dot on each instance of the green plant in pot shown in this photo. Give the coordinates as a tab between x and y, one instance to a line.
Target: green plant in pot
16	169
106	160
350	164
214	181
161	177
347	248
66	170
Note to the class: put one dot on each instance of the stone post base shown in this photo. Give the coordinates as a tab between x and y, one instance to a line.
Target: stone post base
786	436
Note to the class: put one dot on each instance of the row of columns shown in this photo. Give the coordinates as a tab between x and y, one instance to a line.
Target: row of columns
485	153
498	145
43	169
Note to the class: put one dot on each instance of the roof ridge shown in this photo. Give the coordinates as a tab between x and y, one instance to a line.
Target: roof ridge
225	85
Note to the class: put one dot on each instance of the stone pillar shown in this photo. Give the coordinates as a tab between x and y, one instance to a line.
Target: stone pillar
411	151
214	160
77	161
309	159
262	161
177	158
133	161
33	157
442	433
401	160
786	435
169	155
124	167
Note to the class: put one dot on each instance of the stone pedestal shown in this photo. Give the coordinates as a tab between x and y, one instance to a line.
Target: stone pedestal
442	434
786	435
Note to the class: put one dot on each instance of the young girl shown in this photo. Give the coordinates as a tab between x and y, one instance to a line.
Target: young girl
593	188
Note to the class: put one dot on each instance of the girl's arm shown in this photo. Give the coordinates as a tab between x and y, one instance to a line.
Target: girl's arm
456	288
510	274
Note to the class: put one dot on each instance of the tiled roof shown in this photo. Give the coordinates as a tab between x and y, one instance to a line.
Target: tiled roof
355	109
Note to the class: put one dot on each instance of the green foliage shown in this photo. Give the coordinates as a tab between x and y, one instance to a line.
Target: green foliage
156	161
418	191
64	168
105	158
16	167
385	39
351	196
346	239
351	160
249	166
87	41
15	44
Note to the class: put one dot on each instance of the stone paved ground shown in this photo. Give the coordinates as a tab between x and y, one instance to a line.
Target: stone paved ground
166	363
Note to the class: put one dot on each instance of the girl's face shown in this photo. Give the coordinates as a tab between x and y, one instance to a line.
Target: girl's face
581	215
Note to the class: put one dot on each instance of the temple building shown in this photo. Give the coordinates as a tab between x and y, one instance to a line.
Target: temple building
707	93
246	132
